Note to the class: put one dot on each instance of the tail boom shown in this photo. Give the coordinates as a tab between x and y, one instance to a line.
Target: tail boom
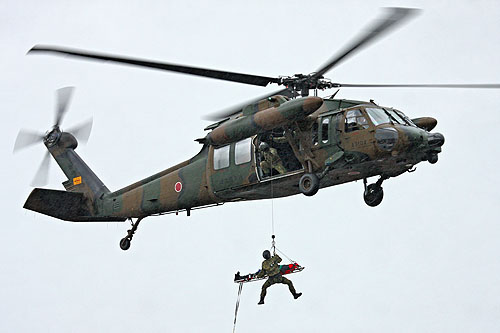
67	206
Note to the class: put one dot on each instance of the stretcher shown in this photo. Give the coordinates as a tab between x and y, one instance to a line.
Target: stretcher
284	270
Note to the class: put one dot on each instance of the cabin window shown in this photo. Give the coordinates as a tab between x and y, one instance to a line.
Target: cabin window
325	129
221	157
355	121
243	151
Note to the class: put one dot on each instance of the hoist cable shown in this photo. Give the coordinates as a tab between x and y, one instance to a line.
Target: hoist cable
272	209
272	192
237	305
291	260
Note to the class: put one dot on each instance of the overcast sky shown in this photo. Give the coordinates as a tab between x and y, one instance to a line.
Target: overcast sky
425	260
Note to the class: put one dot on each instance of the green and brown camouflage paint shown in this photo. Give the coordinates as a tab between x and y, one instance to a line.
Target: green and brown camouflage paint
342	157
265	120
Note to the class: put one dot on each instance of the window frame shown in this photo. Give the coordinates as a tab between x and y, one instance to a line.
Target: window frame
363	114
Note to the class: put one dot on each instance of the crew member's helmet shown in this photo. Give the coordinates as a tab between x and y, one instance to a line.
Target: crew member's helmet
266	254
263	146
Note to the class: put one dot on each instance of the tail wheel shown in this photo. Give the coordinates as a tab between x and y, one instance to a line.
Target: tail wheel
125	244
309	184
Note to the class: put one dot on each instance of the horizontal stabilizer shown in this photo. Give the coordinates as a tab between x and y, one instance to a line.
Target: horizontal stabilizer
67	206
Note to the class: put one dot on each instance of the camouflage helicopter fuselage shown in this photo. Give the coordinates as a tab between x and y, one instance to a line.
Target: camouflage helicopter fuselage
331	140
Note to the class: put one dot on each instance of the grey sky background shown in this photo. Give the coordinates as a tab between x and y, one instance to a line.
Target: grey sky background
425	260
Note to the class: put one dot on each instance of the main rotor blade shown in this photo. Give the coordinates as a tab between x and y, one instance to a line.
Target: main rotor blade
82	131
205	72
42	175
393	17
230	111
436	85
25	139
63	97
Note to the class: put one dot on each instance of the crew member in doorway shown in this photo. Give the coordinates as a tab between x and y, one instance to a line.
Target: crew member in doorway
270	160
271	268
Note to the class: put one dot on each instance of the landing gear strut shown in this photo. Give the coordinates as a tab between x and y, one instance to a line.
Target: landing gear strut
374	193
125	241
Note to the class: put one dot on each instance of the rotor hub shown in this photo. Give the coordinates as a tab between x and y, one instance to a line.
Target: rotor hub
303	83
52	136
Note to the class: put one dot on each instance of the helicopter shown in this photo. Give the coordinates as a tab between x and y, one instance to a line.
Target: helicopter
281	144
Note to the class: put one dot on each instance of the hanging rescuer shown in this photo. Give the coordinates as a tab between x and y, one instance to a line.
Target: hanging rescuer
271	268
274	271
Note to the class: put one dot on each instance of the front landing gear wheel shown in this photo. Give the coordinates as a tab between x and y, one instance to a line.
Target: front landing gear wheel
309	184
125	244
373	195
432	158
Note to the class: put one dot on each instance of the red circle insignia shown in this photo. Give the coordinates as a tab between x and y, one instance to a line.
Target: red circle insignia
178	187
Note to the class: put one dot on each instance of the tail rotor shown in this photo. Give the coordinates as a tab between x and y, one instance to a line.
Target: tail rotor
28	138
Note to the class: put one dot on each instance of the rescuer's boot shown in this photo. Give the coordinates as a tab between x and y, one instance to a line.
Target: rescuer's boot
297	295
261	301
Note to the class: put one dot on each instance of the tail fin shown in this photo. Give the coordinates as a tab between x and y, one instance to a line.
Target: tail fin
84	189
80	177
83	201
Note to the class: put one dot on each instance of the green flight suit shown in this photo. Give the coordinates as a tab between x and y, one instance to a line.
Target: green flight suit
271	160
271	268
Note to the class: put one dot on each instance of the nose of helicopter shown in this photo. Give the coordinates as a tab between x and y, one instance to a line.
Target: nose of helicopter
418	140
435	140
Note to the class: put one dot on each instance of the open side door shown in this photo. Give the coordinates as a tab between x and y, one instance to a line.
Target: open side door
275	158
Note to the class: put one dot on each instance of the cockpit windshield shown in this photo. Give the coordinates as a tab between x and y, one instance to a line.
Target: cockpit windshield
405	117
388	116
398	119
378	116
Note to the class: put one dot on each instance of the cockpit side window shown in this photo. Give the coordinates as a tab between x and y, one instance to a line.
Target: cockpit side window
355	121
315	133
336	127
